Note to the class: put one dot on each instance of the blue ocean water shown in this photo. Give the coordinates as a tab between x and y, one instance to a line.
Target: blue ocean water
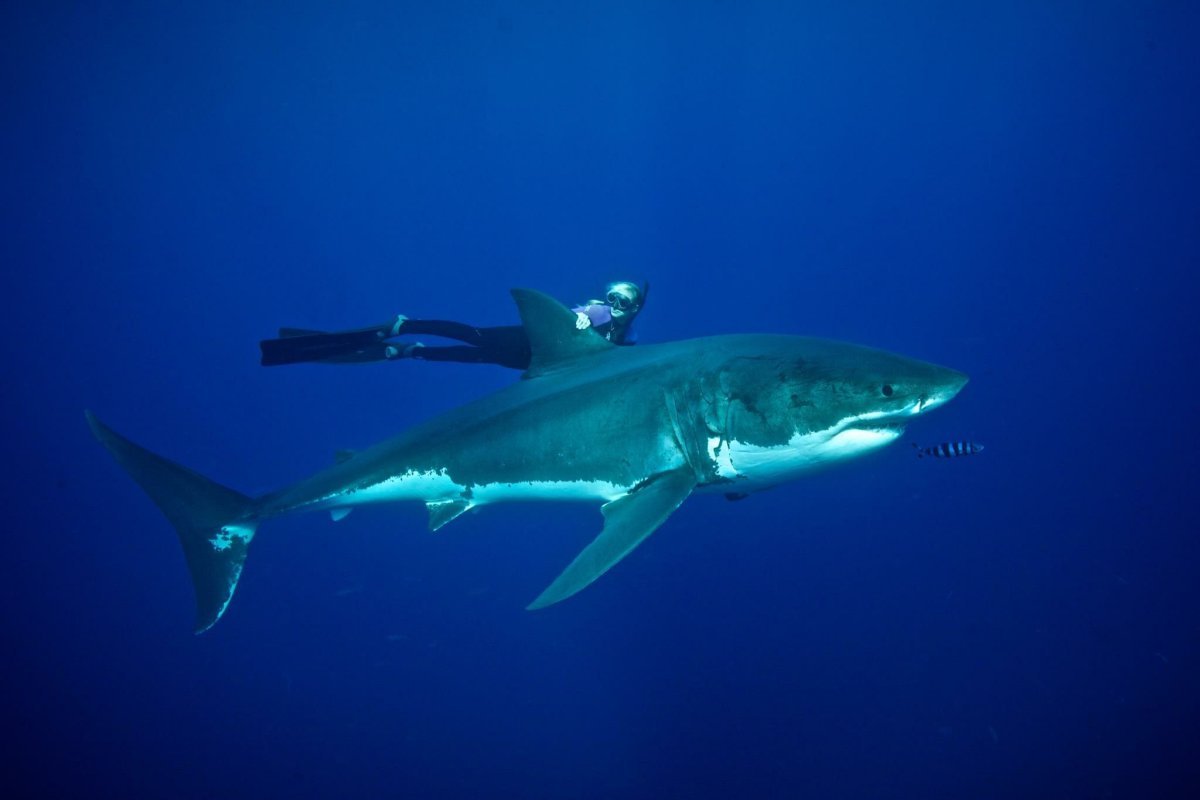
1010	190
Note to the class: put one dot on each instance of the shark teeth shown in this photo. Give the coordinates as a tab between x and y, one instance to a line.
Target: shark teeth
880	426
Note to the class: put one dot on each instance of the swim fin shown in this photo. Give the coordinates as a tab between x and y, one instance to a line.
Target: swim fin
298	346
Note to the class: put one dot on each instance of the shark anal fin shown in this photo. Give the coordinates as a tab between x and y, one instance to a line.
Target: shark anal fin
554	338
627	521
443	511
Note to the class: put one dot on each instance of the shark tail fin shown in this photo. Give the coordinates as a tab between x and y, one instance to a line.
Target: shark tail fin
215	524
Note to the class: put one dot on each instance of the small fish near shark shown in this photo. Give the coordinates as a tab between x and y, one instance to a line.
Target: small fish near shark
638	429
948	449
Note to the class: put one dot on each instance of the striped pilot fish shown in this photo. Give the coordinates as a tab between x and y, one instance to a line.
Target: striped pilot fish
948	449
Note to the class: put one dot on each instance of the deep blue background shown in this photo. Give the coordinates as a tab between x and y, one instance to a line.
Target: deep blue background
1012	191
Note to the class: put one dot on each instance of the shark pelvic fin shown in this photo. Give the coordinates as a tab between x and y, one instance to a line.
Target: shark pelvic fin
215	524
554	338
627	521
443	511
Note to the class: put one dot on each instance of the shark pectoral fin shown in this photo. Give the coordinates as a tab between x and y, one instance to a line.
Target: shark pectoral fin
627	521
554	339
443	511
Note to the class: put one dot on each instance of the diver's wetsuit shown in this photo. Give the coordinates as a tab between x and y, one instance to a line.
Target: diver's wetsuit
505	345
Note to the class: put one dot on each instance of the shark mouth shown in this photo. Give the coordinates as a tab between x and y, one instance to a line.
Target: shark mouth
886	421
880	426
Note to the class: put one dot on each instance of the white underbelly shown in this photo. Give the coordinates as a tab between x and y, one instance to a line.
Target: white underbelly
548	490
750	465
437	485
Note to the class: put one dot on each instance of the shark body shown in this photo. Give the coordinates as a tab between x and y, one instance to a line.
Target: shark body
638	429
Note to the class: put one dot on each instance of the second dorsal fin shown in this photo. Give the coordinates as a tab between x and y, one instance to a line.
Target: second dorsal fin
554	339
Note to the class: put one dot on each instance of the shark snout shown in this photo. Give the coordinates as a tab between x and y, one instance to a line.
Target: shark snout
955	383
942	389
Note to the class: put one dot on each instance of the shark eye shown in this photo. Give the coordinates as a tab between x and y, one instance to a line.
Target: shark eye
887	390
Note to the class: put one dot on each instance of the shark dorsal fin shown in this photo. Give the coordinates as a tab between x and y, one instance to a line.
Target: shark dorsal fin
554	339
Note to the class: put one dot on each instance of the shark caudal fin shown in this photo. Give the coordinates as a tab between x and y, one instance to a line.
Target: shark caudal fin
215	524
554	338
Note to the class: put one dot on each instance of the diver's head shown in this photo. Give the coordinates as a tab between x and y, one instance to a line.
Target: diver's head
624	298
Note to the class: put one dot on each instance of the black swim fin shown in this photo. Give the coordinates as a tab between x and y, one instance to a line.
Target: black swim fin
298	346
287	333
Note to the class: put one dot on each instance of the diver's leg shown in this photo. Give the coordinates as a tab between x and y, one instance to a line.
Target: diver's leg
507	346
446	329
458	354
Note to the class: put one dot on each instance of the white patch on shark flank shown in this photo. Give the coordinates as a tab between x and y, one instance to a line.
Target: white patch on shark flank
719	452
411	485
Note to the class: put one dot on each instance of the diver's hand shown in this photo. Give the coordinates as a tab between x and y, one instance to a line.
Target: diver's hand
582	321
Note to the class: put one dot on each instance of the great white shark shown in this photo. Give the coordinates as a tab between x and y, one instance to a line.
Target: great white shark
638	429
